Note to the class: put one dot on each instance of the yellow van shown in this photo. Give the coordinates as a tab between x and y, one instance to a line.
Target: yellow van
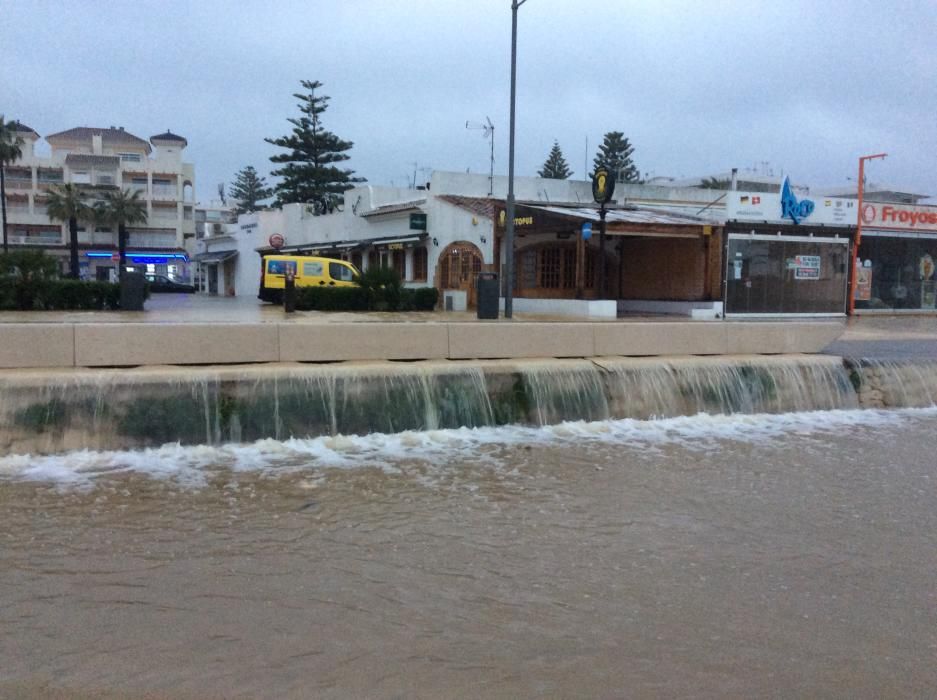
308	272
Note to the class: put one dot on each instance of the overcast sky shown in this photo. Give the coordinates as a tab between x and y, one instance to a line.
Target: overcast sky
698	87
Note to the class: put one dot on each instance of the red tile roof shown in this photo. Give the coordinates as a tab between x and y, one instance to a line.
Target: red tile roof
481	206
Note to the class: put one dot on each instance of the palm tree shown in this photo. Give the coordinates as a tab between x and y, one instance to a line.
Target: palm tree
10	151
121	209
67	203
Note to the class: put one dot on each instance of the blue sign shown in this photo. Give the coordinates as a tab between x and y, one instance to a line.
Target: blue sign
791	208
586	231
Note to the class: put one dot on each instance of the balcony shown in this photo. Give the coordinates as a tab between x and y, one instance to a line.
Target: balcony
50	238
18	183
162	239
165	192
108	238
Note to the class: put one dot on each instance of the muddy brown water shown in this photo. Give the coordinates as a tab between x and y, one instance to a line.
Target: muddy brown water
781	556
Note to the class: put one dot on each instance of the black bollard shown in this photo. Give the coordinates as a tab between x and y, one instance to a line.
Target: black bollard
289	292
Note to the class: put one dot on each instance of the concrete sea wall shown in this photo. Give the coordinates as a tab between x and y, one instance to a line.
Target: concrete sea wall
66	345
50	411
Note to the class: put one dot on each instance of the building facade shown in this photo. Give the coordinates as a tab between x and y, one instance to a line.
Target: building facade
101	160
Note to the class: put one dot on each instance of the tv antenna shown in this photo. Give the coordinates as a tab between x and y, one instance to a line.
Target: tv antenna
221	195
488	133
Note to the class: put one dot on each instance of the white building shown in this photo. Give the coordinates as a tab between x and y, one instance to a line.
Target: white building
102	159
447	232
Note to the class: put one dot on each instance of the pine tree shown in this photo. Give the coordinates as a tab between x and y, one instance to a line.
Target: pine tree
248	190
555	166
310	174
615	154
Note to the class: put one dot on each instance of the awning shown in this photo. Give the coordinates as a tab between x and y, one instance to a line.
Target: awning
214	258
400	242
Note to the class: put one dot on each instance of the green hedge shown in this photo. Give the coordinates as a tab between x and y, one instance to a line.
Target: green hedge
21	294
366	299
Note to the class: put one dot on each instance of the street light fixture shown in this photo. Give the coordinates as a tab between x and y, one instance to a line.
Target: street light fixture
855	248
509	213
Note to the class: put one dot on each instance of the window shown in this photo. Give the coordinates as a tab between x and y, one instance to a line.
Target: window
528	276
400	262
419	264
129	157
340	272
279	267
312	269
374	260
81	177
550	268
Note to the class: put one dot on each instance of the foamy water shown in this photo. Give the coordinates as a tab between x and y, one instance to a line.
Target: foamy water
191	465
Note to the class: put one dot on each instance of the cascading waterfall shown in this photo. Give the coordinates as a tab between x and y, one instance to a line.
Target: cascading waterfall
48	412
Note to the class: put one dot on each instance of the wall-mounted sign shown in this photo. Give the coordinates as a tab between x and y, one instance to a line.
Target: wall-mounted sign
276	240
418	222
518	220
767	207
249	228
901	217
586	231
395	246
603	185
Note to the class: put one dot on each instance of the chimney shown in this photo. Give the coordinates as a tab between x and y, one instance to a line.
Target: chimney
734	183
97	144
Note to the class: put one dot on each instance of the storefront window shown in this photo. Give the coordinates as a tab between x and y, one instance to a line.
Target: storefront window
785	275
896	273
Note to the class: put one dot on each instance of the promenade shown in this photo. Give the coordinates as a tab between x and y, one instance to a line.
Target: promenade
196	330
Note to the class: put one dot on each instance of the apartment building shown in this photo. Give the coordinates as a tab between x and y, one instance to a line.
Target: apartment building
103	159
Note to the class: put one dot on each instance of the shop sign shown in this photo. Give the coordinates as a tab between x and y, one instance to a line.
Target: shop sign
518	220
276	240
771	208
792	208
586	231
418	222
901	217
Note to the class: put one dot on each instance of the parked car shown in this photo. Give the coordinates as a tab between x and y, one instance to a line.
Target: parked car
161	283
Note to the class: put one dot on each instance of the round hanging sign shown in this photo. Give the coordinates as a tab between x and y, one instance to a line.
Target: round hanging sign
276	240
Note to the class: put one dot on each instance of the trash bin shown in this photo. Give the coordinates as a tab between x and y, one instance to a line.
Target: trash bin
488	295
132	291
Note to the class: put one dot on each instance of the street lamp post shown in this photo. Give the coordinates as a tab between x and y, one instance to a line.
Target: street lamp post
509	213
855	248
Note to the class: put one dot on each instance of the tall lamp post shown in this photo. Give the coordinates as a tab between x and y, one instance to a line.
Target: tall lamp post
509	214
855	248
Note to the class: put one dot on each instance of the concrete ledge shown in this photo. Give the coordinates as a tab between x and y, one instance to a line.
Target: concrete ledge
140	344
660	339
363	341
579	308
493	340
780	337
37	345
176	344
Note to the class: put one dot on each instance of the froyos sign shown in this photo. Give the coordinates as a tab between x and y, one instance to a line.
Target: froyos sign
902	217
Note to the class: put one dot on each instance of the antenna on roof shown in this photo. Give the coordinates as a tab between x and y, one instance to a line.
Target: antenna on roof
488	133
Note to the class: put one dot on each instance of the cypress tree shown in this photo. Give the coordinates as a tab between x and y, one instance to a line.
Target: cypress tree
310	173
555	166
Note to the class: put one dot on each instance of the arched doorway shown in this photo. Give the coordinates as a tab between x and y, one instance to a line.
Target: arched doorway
458	268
